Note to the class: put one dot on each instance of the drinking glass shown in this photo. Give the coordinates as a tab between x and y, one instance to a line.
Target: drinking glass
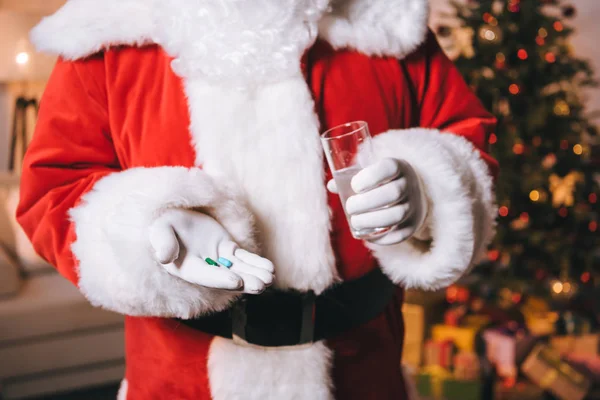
349	149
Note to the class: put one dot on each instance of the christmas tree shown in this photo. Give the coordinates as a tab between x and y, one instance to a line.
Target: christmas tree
516	56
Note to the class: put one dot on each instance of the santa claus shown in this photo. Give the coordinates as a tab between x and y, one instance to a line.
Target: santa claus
176	173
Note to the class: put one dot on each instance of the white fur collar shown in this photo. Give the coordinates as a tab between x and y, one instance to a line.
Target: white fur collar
235	37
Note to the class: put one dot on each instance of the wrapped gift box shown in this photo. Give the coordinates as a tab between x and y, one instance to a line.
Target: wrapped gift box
507	349
463	337
569	323
414	326
541	323
467	366
545	368
439	353
584	345
519	391
437	384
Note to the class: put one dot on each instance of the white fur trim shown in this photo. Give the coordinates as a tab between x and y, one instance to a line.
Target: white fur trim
252	373
230	39
84	27
117	269
461	208
376	27
122	395
237	42
274	156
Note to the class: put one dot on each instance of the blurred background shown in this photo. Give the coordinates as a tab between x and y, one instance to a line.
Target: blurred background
524	325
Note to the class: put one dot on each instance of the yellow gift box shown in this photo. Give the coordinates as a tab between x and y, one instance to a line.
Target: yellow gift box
463	337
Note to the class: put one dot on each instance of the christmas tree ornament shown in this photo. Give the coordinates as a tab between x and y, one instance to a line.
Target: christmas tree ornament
459	43
561	108
569	11
444	31
562	188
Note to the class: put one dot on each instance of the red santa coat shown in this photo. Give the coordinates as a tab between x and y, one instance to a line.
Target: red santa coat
189	113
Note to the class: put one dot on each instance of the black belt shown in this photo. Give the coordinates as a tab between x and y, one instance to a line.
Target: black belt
277	318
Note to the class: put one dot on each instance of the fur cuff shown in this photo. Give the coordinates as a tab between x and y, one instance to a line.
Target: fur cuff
117	269
462	210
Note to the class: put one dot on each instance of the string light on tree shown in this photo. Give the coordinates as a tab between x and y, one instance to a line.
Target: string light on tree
578	149
522	54
490	19
493	139
550	57
518	148
500	61
558	26
549	161
514	89
503	211
489	34
585	277
514	6
497	7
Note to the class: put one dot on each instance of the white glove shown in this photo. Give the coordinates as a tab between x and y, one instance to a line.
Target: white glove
183	239
389	194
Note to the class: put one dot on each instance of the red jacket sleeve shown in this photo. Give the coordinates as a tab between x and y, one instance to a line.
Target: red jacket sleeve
448	150
91	219
70	151
445	100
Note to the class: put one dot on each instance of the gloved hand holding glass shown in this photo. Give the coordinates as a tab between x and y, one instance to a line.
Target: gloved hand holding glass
383	199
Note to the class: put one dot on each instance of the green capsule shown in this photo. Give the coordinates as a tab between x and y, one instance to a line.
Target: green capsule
212	262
